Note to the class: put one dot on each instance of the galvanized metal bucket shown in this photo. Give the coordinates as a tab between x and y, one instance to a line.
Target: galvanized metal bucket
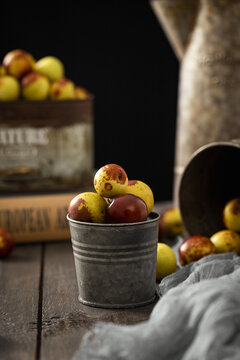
209	180
115	263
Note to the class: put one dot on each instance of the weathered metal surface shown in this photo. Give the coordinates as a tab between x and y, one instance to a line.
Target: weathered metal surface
177	18
208	103
209	181
115	263
46	145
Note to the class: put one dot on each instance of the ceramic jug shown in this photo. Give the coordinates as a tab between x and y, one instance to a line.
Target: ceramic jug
205	35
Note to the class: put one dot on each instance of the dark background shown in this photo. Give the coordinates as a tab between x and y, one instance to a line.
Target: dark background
119	52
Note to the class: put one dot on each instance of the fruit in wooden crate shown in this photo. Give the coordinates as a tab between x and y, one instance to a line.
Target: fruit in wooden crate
81	93
226	241
51	67
35	86
18	63
166	261
110	180
9	88
194	248
170	223
62	89
231	215
88	207
126	208
139	188
6	242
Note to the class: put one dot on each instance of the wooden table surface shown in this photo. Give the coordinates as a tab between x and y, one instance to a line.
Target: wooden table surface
40	315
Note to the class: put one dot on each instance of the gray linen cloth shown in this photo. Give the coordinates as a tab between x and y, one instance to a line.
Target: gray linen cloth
196	317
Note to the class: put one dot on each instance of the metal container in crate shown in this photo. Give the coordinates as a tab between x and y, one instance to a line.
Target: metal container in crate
46	145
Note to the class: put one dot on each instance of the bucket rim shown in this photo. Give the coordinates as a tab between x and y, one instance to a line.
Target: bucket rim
232	143
235	143
155	217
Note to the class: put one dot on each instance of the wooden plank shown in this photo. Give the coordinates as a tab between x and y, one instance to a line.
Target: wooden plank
64	319
19	294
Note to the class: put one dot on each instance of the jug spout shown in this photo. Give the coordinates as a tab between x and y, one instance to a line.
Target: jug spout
177	18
